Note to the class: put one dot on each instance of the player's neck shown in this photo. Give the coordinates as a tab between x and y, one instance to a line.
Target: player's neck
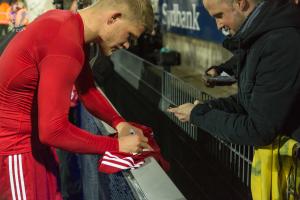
90	29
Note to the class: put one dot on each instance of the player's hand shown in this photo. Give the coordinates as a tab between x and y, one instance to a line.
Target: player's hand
133	143
125	128
183	112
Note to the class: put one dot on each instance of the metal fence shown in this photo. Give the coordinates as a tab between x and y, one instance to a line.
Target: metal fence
174	91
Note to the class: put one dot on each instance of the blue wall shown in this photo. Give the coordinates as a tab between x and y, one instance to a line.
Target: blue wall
188	18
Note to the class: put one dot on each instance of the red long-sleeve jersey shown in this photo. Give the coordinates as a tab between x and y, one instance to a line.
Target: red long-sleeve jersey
37	71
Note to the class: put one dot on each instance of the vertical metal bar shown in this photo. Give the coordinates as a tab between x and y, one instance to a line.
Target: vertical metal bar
244	164
249	165
239	160
231	157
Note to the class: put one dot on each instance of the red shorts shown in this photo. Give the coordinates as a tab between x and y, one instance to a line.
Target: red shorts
29	177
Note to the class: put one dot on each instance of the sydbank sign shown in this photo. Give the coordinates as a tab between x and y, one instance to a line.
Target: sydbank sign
187	17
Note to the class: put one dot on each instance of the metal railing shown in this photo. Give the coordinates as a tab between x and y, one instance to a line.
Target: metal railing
177	92
173	90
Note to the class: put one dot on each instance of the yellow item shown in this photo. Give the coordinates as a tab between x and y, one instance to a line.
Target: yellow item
4	11
272	175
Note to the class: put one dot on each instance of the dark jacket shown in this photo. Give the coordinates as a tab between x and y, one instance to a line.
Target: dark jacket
268	99
230	66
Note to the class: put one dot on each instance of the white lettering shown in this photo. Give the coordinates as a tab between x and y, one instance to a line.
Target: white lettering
155	6
180	18
165	13
195	18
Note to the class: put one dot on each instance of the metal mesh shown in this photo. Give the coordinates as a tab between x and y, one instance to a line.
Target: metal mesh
174	91
237	157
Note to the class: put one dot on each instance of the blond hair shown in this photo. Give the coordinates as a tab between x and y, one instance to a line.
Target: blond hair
231	1
139	11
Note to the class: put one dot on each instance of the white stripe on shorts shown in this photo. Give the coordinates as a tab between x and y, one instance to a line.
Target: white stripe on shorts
22	177
16	177
11	178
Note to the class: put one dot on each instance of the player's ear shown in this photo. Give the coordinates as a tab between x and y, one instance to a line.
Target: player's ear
114	17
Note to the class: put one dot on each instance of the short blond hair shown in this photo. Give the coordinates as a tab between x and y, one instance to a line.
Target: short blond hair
231	1
140	11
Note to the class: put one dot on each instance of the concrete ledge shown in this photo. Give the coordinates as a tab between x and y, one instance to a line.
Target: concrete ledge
194	78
